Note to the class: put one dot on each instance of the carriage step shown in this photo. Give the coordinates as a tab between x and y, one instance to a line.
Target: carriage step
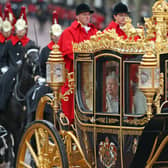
80	163
76	160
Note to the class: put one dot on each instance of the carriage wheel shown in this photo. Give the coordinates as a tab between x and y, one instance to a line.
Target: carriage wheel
41	147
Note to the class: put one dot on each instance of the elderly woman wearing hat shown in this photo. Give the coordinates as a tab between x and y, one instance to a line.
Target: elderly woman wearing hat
81	29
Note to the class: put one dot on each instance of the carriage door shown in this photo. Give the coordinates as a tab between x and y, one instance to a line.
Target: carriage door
107	109
164	70
134	112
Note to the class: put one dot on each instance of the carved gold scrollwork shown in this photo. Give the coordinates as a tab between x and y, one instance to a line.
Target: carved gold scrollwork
137	121
70	77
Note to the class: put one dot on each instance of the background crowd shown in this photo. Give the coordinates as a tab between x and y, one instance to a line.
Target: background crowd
39	14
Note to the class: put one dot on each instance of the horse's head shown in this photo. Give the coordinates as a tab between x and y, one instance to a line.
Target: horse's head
32	57
28	68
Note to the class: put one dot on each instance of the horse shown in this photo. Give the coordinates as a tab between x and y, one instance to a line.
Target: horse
18	80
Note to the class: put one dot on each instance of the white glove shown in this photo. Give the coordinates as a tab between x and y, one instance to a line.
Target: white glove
19	62
4	69
41	80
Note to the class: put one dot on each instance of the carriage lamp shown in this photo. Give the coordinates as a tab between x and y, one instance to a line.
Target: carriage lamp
149	76
55	74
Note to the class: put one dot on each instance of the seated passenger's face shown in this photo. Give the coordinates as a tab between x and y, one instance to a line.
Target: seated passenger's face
120	18
112	87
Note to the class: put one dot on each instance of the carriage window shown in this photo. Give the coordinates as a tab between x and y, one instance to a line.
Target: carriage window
85	85
166	81
107	85
135	101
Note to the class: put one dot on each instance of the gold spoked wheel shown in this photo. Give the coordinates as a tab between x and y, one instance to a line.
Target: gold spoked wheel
41	147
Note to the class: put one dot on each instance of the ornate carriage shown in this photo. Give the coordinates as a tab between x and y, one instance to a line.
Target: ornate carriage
107	128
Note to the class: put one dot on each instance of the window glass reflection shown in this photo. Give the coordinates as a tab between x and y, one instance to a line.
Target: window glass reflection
136	99
107	98
86	85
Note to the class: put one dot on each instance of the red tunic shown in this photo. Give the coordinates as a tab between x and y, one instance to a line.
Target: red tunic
24	40
75	33
119	31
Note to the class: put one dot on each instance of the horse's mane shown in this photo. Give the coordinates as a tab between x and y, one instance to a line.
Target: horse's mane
32	46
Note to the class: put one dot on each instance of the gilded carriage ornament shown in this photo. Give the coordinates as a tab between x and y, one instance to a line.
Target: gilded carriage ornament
107	153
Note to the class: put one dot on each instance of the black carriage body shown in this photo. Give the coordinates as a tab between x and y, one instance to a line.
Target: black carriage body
110	138
119	129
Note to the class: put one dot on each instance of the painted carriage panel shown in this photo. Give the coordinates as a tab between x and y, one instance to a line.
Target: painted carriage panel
107	151
86	140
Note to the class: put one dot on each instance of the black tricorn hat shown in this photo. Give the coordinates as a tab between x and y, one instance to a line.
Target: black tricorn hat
83	8
120	8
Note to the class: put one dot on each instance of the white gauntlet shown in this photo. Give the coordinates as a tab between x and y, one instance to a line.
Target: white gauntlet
4	69
41	80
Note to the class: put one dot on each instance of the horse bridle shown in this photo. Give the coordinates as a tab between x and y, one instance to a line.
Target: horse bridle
17	93
16	90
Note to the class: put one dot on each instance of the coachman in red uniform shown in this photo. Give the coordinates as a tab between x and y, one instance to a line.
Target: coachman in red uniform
81	29
120	12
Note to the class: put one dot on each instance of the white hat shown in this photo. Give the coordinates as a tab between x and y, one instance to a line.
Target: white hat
21	23
6	25
55	29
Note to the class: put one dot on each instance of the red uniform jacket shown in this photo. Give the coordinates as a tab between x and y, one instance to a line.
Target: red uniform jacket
75	33
119	31
114	25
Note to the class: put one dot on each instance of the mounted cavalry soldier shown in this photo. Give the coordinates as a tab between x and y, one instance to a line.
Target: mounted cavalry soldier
14	57
39	89
55	32
5	35
16	47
